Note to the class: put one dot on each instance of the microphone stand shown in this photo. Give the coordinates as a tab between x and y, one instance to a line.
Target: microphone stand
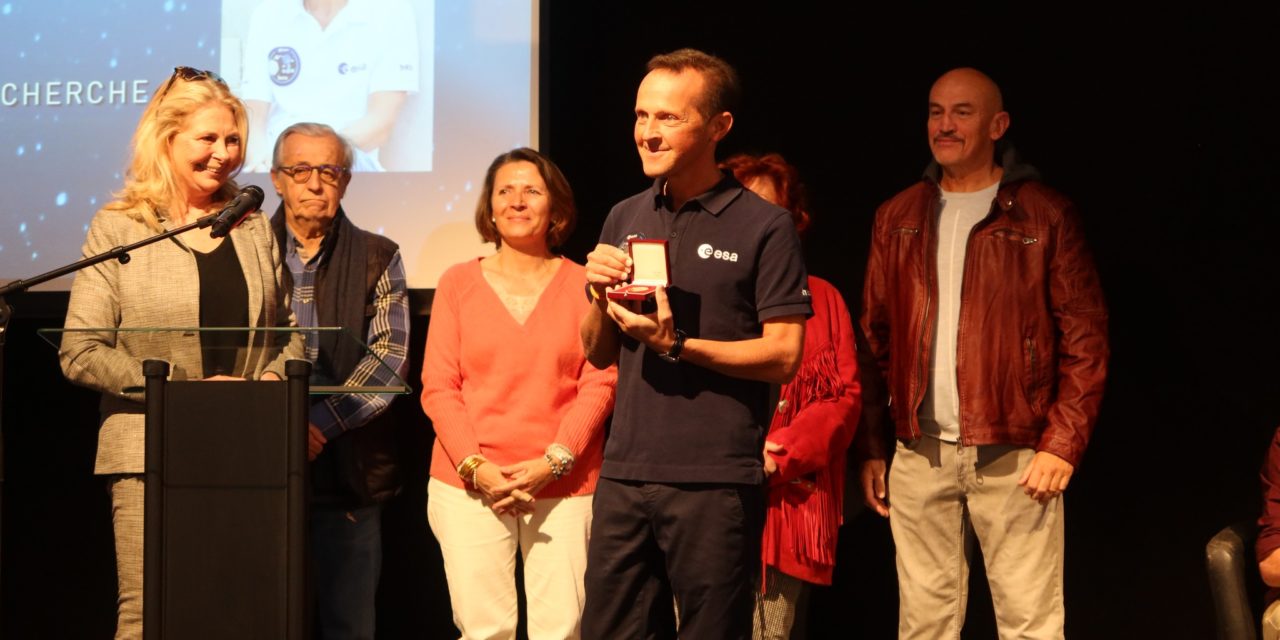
18	286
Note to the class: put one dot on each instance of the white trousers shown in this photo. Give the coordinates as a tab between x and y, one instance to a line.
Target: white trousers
479	550
941	497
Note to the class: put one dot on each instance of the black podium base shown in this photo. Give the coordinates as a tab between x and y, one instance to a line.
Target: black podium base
226	509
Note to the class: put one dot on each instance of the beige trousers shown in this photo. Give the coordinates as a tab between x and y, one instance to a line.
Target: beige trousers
479	550
941	497
127	500
1271	622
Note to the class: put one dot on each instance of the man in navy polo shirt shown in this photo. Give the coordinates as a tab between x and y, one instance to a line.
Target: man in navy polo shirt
679	506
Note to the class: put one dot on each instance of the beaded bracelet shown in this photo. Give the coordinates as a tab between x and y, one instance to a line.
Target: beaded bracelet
560	459
556	470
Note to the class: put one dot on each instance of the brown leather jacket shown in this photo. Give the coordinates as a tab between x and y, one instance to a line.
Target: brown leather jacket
1032	350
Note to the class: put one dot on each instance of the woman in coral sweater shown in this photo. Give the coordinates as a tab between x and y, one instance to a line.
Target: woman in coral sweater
518	413
811	430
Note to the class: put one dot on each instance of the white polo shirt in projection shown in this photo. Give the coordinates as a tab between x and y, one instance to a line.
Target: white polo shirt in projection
312	75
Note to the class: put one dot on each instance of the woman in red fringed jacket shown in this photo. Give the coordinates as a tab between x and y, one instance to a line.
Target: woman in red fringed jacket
814	423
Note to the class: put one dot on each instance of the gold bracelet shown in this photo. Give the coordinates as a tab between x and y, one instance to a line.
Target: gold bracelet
467	470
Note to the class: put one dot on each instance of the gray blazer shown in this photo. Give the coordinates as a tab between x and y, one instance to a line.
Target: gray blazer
160	287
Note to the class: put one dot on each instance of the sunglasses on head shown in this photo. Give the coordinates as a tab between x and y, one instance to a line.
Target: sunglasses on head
191	74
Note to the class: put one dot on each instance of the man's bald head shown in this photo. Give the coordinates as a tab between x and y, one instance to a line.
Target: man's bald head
975	81
966	117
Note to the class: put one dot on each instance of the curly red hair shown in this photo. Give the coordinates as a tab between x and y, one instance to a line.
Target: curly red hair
786	181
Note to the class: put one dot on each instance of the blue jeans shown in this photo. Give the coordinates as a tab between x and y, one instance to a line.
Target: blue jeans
346	561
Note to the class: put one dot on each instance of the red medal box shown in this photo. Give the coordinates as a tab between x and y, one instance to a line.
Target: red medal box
650	268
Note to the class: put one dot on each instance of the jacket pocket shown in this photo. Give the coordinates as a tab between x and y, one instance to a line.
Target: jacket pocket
1015	236
1032	381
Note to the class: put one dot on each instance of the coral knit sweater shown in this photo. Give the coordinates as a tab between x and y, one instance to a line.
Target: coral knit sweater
504	390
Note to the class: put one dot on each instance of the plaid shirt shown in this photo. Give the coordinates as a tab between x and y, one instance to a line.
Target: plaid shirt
388	339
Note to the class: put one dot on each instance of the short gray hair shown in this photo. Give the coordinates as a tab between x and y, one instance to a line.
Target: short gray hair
316	130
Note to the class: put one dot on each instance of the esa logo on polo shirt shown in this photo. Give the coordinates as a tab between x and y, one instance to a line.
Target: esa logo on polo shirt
707	251
287	65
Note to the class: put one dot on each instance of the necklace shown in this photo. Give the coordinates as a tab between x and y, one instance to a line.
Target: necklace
520	279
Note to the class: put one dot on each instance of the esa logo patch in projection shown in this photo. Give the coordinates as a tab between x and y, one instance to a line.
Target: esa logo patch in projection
287	65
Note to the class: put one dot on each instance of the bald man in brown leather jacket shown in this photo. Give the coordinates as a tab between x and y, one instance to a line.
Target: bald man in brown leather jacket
984	312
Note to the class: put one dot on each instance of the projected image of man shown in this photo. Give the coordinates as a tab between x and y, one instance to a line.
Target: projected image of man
350	64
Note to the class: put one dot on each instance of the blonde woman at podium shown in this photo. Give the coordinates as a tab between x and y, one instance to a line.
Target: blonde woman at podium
518	414
188	146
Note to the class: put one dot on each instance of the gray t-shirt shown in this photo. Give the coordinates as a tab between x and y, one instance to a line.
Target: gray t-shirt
940	411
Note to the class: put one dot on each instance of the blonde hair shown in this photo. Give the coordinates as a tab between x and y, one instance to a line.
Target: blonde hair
150	185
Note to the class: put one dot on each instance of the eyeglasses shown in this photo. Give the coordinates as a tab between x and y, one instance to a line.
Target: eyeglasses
329	173
191	74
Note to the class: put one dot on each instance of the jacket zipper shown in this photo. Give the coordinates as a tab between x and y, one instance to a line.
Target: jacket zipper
931	277
964	278
924	323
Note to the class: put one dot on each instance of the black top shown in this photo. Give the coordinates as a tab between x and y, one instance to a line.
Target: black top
224	302
735	262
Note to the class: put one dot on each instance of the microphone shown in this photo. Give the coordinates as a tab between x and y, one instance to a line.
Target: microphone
246	202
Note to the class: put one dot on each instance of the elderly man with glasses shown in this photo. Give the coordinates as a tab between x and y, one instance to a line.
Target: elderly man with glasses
342	276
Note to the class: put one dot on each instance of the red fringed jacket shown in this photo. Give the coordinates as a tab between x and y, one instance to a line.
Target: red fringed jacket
815	422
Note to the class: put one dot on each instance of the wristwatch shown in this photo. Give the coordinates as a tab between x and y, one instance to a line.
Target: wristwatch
676	347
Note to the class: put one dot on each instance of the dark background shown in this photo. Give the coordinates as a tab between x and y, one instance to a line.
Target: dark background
1161	127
